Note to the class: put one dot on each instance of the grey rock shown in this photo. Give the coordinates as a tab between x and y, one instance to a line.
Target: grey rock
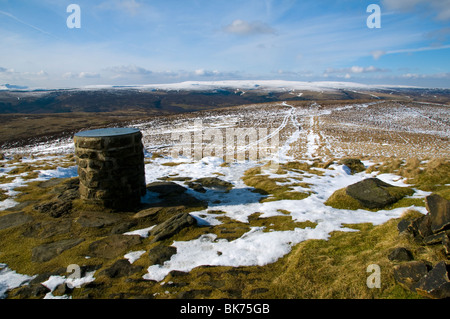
374	193
49	251
113	245
214	183
400	254
172	226
439	211
121	268
409	274
47	229
160	254
166	188
355	165
97	219
14	219
54	208
196	187
436	238
435	284
62	290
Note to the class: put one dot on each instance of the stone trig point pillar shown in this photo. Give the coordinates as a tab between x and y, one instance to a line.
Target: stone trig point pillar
111	167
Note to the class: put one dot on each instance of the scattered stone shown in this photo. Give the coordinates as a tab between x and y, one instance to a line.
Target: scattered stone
49	251
355	165
404	225
400	254
166	188
172	226
214	183
175	178
439	212
435	284
424	226
14	219
374	193
62	290
435	238
196	187
54	208
409	274
149	212
47	229
123	227
121	268
97	219
113	245
31	291
446	245
160	254
50	183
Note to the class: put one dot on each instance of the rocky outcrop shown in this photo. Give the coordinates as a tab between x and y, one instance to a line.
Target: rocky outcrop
430	229
172	226
14	219
113	246
370	193
121	268
49	251
210	182
374	193
355	165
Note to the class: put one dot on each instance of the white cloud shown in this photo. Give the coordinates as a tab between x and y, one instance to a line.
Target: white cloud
242	27
439	8
377	54
81	75
88	75
354	70
130	70
203	72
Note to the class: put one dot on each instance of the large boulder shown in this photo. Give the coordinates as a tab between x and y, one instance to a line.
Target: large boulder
439	212
370	193
436	283
410	273
374	193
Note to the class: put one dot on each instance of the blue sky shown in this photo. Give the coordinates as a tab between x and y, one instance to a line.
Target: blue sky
126	42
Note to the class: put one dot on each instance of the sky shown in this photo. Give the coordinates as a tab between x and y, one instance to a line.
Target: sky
132	42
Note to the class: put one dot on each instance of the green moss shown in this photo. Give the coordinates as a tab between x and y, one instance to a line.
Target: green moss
265	185
340	200
3	195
